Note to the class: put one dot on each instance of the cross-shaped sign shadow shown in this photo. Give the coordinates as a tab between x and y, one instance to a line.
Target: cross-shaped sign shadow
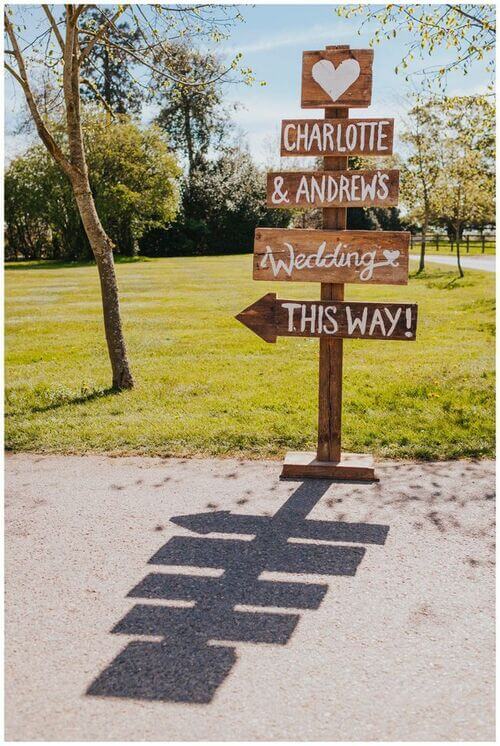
187	663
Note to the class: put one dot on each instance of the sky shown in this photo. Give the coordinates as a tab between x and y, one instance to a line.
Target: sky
272	39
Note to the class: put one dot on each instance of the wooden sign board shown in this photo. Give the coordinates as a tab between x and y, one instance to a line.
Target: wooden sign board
271	317
299	255
337	77
337	137
290	189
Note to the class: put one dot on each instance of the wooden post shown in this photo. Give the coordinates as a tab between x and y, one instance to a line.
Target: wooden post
331	350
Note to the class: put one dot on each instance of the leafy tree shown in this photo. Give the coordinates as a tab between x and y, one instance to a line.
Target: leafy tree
62	48
107	69
27	229
223	201
421	168
389	218
373	218
470	121
463	192
468	29
195	119
447	174
134	176
134	183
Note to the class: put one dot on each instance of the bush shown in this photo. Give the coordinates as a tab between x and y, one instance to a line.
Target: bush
134	179
223	201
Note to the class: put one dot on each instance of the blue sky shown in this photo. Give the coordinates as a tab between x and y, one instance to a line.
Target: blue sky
272	39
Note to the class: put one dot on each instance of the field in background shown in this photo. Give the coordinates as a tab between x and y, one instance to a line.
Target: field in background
207	385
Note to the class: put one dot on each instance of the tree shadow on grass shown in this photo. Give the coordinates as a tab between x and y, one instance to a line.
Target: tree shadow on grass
188	658
78	399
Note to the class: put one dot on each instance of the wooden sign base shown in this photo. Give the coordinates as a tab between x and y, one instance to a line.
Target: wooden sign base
305	464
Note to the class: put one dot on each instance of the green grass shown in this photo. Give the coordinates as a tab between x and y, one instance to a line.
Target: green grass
207	385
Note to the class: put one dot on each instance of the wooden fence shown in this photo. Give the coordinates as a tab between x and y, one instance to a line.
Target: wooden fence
441	242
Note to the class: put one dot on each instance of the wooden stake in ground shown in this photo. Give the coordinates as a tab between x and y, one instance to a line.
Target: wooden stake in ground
331	350
328	454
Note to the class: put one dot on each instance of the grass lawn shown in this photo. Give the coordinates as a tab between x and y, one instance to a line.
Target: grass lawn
207	385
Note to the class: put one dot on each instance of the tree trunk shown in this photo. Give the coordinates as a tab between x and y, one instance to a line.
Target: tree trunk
102	249
460	270
188	134
423	245
100	243
107	78
76	170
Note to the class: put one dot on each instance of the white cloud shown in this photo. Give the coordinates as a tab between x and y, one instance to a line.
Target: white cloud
14	145
313	34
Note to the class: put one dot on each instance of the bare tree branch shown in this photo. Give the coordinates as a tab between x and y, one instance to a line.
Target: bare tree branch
161	73
22	78
475	21
86	50
14	74
54	25
97	94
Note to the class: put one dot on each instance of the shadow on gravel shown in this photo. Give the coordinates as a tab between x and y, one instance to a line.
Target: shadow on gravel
185	665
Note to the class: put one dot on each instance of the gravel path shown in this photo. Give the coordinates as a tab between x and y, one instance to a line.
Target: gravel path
164	600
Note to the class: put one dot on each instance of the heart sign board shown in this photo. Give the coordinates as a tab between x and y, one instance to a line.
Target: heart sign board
337	77
301	255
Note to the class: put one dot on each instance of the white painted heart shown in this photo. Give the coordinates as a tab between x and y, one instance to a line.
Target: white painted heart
391	256
335	81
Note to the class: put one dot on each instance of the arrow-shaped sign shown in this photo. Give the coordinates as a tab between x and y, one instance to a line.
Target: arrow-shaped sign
222	521
271	317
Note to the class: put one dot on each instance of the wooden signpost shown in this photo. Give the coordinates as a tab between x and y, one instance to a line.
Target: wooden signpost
335	78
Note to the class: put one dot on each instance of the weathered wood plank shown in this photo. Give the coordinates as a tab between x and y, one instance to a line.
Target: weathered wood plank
271	317
352	466
347	320
337	137
291	189
337	77
330	256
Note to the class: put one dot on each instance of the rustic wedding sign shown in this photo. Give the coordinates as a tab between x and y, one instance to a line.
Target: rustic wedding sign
270	317
335	78
301	255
